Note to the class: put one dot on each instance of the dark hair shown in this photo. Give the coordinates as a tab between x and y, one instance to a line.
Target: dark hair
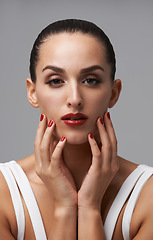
72	26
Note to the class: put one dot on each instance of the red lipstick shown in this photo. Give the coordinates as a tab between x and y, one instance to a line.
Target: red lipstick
76	119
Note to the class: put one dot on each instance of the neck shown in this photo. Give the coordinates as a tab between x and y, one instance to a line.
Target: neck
77	158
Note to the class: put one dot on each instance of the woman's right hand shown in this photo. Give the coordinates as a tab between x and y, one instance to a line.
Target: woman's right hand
51	168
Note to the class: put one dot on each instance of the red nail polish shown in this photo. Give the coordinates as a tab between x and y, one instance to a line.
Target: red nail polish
91	136
50	123
101	121
41	117
108	115
63	138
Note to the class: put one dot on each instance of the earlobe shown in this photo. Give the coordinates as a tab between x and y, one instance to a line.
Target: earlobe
31	93
116	89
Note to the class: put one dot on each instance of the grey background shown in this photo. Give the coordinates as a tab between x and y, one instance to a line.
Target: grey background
129	24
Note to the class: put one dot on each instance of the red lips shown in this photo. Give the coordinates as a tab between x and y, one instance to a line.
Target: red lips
76	119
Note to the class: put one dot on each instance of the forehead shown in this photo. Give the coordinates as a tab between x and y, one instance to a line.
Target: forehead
71	49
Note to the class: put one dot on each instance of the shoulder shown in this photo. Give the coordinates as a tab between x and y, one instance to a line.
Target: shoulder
7	216
142	219
28	166
146	194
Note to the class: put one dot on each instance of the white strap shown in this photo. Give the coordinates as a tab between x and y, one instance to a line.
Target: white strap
30	201
16	199
119	201
132	202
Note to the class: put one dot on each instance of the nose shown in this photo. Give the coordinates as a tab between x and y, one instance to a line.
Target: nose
74	99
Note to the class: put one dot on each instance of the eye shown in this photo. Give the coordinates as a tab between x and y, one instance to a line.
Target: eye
55	82
91	81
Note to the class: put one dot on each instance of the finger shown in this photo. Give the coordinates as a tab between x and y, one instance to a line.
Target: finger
46	145
57	154
106	150
96	159
41	129
111	133
39	135
55	142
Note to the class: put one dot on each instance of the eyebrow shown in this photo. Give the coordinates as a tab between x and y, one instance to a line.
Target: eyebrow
84	70
54	68
92	68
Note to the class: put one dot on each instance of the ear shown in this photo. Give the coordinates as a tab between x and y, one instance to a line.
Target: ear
116	89
31	93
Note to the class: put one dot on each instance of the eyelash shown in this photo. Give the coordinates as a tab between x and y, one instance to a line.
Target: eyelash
94	81
57	82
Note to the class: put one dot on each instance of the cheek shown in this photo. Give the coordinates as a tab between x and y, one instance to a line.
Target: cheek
49	103
99	103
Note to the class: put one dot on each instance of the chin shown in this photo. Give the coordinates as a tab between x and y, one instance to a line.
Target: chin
77	141
75	138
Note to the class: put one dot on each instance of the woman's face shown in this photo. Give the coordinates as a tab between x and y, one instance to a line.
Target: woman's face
73	76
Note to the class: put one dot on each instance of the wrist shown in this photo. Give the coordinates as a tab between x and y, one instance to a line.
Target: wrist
89	213
89	206
64	217
62	212
90	224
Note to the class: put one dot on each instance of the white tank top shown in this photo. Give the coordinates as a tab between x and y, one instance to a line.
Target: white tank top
18	181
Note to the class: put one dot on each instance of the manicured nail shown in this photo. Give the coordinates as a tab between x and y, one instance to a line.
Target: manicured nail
50	123
108	115
41	117
101	121
91	136
63	138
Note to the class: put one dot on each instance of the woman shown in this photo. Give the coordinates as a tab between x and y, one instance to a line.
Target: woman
75	186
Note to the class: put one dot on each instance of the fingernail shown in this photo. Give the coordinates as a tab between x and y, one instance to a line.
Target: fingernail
108	115
91	136
101	121
63	138
50	123
41	117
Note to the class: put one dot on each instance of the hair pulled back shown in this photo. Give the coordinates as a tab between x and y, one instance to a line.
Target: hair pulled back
72	26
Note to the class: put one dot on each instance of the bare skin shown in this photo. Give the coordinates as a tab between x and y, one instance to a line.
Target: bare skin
76	178
47	210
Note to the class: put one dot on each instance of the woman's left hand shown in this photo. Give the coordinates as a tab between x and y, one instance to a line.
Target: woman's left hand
103	168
